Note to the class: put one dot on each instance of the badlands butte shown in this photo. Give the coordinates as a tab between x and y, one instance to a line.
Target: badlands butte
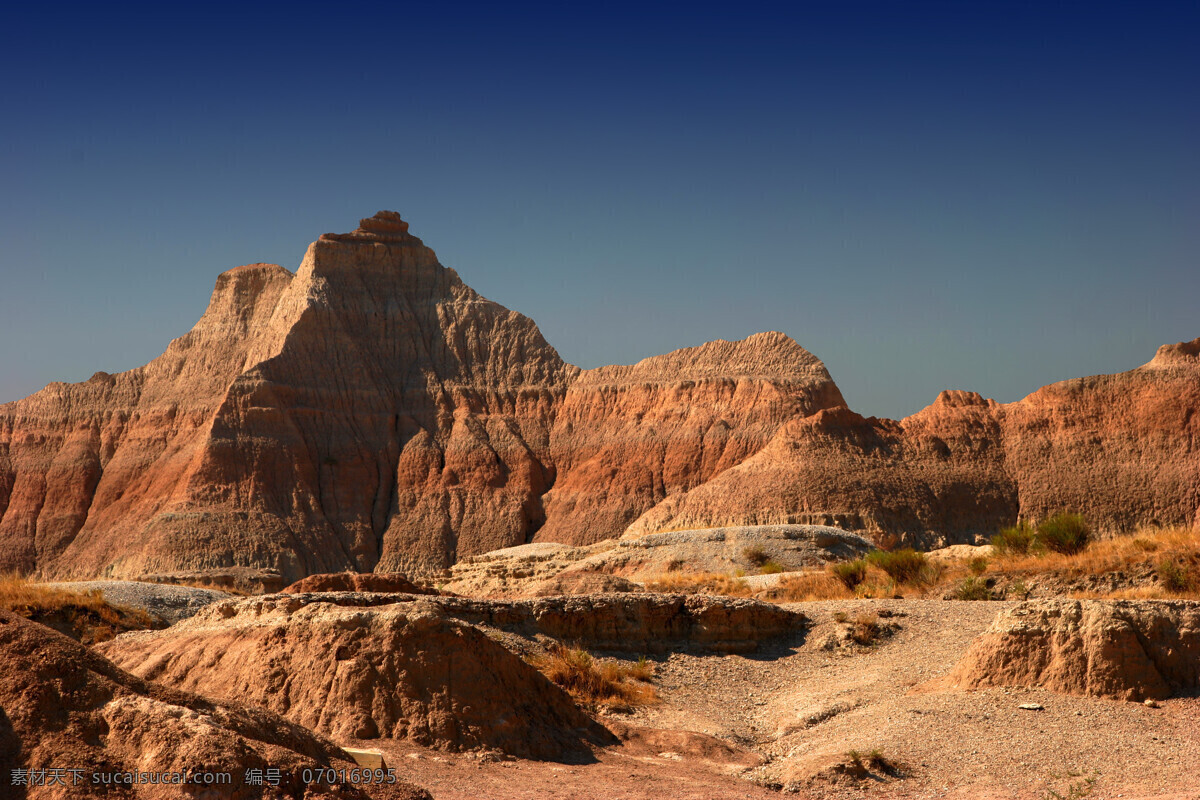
371	412
361	515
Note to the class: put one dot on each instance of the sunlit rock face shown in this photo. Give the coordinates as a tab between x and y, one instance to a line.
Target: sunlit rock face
372	412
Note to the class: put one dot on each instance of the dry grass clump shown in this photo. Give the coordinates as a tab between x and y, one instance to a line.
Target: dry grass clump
598	683
860	764
1171	554
85	616
699	583
802	586
905	566
865	629
850	573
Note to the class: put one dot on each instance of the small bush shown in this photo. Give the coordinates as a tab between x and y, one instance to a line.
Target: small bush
978	565
1174	578
1014	541
1145	545
1064	533
850	573
592	682
841	616
756	556
865	629
902	566
972	589
770	567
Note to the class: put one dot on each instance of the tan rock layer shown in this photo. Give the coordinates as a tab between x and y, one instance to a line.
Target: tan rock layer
65	707
372	412
397	670
1126	650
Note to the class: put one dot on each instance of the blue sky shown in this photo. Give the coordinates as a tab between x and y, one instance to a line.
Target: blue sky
972	195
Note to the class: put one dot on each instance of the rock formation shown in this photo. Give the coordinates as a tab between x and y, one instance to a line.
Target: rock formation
373	413
1124	450
1104	648
65	707
370	411
403	670
543	568
357	582
628	437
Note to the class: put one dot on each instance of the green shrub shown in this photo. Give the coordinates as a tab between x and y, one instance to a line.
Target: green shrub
978	565
1064	533
902	566
1174	578
972	589
1015	541
850	573
770	567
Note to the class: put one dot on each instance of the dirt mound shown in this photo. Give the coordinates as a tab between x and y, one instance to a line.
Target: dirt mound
747	547
65	707
637	622
1121	649
403	671
358	582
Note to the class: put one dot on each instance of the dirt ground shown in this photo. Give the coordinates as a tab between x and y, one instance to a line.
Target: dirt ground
799	709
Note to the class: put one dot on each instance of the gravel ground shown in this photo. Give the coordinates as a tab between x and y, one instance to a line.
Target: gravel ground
805	709
168	603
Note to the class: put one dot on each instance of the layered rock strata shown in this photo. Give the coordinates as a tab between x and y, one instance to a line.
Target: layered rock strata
65	707
1121	649
403	670
373	413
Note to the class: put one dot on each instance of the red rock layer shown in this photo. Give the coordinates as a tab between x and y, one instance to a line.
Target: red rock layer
1124	450
370	411
628	437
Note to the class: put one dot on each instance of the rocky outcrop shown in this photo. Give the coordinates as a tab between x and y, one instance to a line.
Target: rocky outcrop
371	412
65	707
357	582
628	437
1124	450
403	670
1121	649
543	568
626	621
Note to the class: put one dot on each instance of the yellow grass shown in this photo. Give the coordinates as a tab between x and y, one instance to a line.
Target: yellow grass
801	586
699	583
593	682
85	614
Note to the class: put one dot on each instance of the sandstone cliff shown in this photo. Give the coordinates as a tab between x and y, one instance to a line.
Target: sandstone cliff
628	437
372	412
1105	648
1122	449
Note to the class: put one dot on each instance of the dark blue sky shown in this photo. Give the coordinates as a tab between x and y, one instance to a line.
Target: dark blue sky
975	195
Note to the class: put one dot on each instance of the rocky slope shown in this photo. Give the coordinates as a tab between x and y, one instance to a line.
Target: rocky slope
372	412
1123	449
1120	649
627	437
65	707
403	670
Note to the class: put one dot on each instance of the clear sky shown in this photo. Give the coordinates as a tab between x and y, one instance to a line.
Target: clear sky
927	195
